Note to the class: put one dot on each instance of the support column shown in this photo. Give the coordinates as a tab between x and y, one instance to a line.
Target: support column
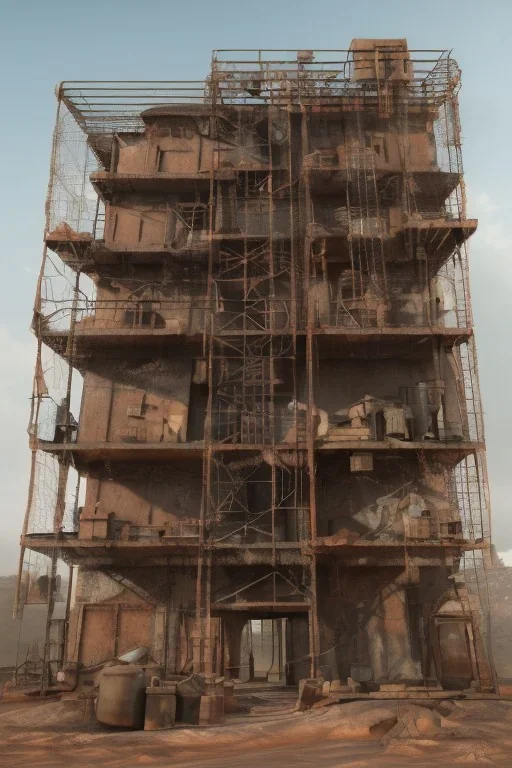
297	649
388	637
233	628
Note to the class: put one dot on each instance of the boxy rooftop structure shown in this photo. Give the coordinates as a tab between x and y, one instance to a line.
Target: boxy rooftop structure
256	394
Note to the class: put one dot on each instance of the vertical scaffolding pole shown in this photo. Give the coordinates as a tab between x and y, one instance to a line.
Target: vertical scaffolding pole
311	409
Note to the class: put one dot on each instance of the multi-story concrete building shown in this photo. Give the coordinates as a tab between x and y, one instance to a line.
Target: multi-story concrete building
280	417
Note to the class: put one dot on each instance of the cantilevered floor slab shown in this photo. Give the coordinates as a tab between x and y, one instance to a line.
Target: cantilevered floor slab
331	342
85	453
176	551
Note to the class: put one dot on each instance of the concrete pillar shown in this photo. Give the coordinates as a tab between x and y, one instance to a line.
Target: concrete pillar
233	628
173	636
180	625
297	649
388	637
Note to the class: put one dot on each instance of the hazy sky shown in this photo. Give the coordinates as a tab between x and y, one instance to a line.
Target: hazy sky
45	41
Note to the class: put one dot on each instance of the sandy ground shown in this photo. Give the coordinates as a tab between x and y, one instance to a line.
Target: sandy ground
352	735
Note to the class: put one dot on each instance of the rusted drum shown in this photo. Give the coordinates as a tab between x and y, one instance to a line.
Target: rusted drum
122	696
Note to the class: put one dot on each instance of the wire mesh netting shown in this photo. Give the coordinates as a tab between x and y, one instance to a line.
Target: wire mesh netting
288	228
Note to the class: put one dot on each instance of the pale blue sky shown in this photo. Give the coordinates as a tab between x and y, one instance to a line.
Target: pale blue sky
45	41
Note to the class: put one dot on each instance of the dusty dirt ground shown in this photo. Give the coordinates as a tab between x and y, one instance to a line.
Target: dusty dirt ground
357	734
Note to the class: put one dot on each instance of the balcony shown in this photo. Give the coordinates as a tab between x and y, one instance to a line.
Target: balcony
438	236
420	415
341	232
432	553
367	222
129	450
183	551
118	322
108	184
160	550
331	171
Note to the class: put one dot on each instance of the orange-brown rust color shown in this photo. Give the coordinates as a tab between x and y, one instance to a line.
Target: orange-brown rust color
280	418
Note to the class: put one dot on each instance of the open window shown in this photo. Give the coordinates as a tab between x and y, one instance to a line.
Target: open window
377	143
185	223
182	132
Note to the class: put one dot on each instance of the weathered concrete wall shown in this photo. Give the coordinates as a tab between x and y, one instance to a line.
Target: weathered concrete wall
385	146
378	503
371	616
297	649
154	303
341	383
108	619
380	617
146	495
159	151
169	223
174	144
135	224
146	401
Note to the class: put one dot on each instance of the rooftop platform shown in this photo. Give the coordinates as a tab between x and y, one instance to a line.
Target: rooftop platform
316	77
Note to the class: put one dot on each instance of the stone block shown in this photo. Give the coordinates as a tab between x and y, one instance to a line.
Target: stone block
187	708
338	687
230	700
211	710
160	712
229	688
310	691
361	673
354	685
392	687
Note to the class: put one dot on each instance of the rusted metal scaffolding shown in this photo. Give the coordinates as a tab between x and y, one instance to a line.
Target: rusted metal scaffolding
262	304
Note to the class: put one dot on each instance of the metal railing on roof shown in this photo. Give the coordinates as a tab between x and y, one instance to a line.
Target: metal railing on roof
108	106
105	107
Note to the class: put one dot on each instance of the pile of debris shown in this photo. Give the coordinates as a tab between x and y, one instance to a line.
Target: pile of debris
128	696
